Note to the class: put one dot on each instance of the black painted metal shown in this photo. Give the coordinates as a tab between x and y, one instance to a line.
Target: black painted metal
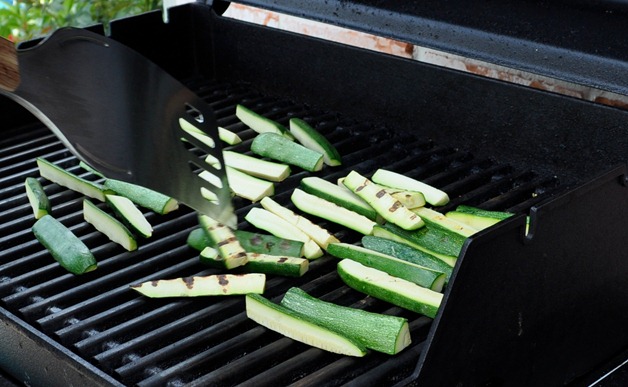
576	41
485	142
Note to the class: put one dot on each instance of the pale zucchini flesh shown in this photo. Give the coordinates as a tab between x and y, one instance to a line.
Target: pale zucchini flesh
293	325
263	169
388	207
225	241
37	197
431	216
318	234
266	220
339	195
385	287
108	225
228	136
376	331
196	286
259	123
69	180
433	195
247	186
322	208
131	216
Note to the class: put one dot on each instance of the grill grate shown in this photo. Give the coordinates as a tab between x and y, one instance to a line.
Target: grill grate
206	341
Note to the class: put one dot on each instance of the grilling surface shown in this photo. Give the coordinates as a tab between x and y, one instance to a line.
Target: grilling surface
210	341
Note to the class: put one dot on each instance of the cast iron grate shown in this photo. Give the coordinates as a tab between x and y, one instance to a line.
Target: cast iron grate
209	341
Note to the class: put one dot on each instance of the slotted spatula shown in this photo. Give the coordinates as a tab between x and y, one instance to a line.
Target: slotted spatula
121	114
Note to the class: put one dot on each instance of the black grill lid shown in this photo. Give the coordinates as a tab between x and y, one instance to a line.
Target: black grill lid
582	41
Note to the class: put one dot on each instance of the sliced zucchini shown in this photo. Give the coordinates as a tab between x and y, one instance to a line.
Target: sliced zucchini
339	195
252	242
263	169
195	132
388	207
266	220
246	186
142	196
312	139
318	234
130	215
277	147
69	180
294	325
410	199
65	247
385	287
261	124
225	241
433	195
436	218
443	245
322	208
228	136
477	217
407	253
277	264
211	285
109	226
376	331
412	272
37	197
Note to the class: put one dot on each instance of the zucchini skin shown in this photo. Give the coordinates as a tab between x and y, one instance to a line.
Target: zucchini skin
407	253
69	180
37	197
251	242
385	287
341	196
434	238
313	139
412	272
376	331
280	148
65	247
142	196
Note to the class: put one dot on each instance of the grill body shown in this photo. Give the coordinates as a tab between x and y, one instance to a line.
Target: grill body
542	309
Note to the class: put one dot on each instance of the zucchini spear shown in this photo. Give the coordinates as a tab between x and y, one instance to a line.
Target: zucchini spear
211	285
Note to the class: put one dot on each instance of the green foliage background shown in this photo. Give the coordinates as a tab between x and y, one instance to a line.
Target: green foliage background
27	19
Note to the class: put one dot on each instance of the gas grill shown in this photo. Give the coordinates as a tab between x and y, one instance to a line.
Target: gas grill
548	308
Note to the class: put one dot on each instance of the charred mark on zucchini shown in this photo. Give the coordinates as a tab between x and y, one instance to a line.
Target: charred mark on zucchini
188	281
223	280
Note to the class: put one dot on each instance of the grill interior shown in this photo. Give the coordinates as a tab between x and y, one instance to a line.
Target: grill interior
105	329
156	342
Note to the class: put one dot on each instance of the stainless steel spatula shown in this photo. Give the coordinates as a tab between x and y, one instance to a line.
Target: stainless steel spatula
122	115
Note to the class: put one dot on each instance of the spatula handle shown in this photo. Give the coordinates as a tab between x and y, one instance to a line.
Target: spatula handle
9	68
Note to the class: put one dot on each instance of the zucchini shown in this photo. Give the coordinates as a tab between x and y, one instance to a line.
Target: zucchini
410	199
444	246
65	247
321	236
277	147
322	208
477	217
385	287
69	180
225	241
263	169
266	220
388	207
247	186
108	225
433	195
252	242
376	331
261	124
228	136
412	272
211	285
88	168
339	195
37	197
312	139
436	218
407	253
259	263
195	132
142	196
294	325
130	215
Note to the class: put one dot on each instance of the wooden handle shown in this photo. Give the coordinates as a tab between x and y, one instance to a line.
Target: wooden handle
9	68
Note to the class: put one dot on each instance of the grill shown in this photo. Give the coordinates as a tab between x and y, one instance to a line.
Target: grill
544	309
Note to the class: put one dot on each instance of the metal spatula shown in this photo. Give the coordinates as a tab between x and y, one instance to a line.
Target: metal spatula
121	114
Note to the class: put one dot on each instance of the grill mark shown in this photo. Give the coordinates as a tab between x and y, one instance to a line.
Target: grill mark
282	259
226	241
188	281
395	206
380	193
